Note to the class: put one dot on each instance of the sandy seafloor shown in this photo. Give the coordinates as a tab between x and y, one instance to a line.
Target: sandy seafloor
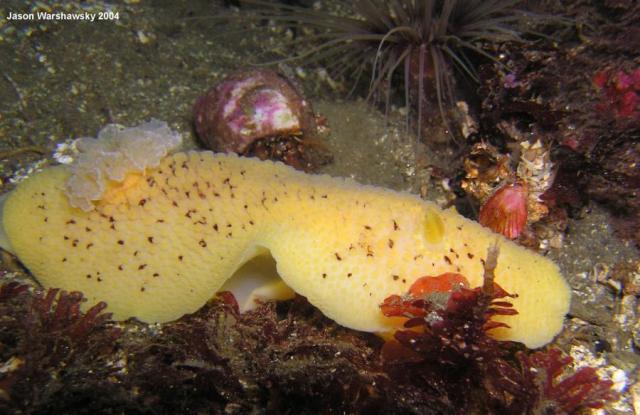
61	80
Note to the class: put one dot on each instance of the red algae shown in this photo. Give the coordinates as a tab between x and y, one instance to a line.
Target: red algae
562	392
280	358
48	338
620	92
449	350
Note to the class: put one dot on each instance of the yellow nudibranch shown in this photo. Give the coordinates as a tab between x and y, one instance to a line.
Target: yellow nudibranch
160	243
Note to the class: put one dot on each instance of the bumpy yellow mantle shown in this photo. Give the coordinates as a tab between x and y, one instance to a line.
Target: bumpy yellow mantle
161	243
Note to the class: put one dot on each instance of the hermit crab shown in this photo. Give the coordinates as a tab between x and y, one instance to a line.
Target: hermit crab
260	113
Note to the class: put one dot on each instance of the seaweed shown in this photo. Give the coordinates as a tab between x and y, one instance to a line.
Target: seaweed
618	93
557	391
449	352
287	357
53	348
279	358
449	349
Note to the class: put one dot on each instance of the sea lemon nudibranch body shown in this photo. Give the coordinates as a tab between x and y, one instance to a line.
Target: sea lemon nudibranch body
163	242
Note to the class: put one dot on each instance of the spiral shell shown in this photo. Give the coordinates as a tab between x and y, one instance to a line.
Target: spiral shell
252	105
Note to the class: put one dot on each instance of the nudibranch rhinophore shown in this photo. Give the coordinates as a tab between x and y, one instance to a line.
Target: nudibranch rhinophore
162	241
